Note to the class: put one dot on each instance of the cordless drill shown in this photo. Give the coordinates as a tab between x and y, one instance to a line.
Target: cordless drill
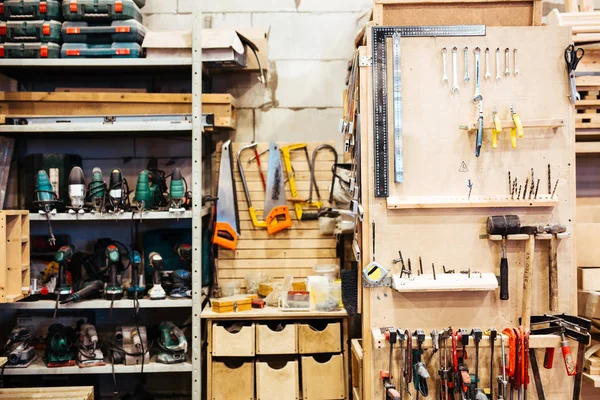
63	258
138	282
113	290
157	292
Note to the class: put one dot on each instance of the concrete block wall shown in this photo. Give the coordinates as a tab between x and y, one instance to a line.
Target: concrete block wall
310	44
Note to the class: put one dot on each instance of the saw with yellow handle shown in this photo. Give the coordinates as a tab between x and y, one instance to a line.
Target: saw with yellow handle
299	203
251	209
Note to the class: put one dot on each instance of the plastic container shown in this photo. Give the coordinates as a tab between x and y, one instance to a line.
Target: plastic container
330	271
103	33
29	50
115	50
100	10
32	9
254	279
230	289
327	295
30	31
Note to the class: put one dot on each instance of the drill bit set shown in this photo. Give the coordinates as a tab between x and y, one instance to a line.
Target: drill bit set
519	191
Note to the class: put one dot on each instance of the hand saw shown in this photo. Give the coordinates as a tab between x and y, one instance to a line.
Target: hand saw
227	222
276	209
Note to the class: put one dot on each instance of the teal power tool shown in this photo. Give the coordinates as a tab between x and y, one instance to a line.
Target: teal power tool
76	189
172	344
46	202
144	192
157	292
59	346
113	290
96	192
177	192
63	257
138	281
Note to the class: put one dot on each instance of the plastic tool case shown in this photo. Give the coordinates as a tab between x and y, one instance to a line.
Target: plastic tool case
100	10
91	33
30	31
32	9
115	50
29	50
2	15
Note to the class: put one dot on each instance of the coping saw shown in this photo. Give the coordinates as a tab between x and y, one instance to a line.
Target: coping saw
227	222
276	209
251	209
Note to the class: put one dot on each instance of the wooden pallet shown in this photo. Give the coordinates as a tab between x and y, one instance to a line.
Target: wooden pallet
14	256
22	104
293	251
49	393
458	12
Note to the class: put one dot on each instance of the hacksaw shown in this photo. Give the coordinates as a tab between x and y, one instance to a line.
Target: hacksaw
380	93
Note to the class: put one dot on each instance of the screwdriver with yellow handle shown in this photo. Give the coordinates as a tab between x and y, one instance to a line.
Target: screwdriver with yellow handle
496	129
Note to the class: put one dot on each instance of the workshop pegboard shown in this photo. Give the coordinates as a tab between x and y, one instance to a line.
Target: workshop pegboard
439	212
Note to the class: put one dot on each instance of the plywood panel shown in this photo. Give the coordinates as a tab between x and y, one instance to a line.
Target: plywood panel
434	150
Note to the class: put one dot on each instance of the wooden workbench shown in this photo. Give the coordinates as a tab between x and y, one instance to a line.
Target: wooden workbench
271	314
49	393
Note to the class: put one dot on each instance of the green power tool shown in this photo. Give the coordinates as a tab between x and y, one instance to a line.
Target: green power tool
46	200
172	343
177	191
144	192
59	346
96	192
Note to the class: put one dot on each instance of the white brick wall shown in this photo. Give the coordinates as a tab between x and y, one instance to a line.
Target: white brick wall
310	43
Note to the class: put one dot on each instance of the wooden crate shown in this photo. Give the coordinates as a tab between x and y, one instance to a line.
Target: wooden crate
14	256
232	379
458	12
269	341
293	251
357	368
227	344
277	380
49	393
323	377
312	340
23	104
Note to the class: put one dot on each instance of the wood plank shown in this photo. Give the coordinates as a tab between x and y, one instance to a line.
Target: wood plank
249	243
294	234
296	225
414	202
272	313
587	147
274	273
274	264
267	253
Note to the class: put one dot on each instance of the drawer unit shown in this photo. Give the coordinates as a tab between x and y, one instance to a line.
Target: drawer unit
318	337
276	338
323	377
277	380
232	379
233	340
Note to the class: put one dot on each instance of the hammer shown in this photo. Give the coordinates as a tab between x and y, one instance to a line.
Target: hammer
503	225
528	272
553	264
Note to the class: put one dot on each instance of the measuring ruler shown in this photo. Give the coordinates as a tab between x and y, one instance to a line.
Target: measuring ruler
380	93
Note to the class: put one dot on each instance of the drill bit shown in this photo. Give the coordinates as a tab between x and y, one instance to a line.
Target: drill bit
525	188
549	180
519	194
554	190
470	186
537	186
509	182
420	266
433	269
531	189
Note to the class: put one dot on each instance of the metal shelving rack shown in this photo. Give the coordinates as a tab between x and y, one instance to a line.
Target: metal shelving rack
194	65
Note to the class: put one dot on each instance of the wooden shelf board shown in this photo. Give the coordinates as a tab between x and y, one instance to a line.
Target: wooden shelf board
508	123
587	147
127	216
272	313
522	236
464	202
446	283
594	380
100	304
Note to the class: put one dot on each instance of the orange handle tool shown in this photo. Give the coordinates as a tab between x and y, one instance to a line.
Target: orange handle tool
278	219
570	364
225	236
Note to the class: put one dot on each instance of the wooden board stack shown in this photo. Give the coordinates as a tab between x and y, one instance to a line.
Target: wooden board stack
14	256
294	251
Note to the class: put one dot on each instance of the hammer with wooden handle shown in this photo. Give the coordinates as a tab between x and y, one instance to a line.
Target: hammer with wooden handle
553	264
528	272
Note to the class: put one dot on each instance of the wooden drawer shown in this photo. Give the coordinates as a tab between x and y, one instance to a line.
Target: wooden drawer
323	377
228	343
270	341
318	338
232	380
277	380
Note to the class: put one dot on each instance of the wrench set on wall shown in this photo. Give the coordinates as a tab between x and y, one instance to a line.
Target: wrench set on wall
477	55
458	380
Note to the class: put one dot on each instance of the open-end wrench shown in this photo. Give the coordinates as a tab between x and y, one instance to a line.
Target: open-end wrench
487	63
516	72
498	63
454	70
445	76
477	96
507	62
467	78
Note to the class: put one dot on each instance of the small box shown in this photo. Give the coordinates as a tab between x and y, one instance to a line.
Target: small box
232	379
323	377
312	339
233	340
269	340
232	304
277	380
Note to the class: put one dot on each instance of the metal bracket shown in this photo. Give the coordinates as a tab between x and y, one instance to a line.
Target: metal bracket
365	61
385	282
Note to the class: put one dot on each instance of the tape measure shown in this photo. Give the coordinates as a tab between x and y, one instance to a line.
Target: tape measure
376	275
380	95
